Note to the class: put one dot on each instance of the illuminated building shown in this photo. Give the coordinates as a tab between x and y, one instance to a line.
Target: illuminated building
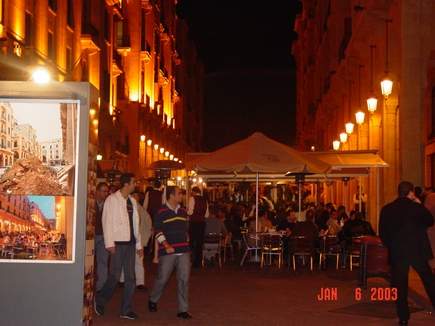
52	152
136	53
343	51
24	142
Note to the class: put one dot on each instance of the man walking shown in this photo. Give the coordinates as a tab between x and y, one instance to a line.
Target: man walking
122	240
174	252
101	254
198	212
402	228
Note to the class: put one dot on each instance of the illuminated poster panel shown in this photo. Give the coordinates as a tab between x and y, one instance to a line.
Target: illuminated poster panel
38	160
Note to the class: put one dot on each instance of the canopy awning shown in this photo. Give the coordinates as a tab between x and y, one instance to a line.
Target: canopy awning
350	164
257	154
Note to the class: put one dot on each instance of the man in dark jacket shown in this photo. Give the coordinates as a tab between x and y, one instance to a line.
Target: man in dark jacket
197	209
402	228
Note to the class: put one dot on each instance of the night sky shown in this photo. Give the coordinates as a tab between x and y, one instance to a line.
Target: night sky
250	73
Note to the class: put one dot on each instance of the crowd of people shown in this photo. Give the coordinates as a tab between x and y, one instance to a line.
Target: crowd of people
32	244
173	228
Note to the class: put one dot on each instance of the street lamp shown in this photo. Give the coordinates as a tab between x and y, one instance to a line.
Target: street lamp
41	75
99	157
343	137
171	157
386	83
149	142
162	150
386	87
176	159
359	117
142	138
156	147
349	127
166	154
372	103
336	145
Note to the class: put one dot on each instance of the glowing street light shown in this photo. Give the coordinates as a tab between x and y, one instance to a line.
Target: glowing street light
166	154
41	76
386	87
162	150
171	157
359	117
372	103
176	159
343	137
336	145
142	138
99	157
156	147
149	142
349	127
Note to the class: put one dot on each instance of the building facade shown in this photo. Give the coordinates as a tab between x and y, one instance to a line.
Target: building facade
52	152
343	51
6	128
24	142
136	53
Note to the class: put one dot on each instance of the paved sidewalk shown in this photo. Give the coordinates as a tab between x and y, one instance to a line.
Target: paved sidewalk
250	296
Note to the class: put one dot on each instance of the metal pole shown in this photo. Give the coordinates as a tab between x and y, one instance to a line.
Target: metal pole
256	215
377	196
360	194
300	199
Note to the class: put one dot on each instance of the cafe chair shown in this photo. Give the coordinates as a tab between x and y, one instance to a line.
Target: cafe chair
271	245
212	248
301	246
355	253
329	247
250	246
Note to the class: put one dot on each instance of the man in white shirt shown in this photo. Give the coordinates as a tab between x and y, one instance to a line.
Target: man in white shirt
122	239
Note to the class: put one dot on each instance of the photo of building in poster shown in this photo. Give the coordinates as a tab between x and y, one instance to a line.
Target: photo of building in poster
37	148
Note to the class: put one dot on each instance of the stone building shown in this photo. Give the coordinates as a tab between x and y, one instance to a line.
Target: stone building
343	51
52	152
24	142
128	50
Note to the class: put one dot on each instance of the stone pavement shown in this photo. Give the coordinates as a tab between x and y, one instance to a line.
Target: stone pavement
251	296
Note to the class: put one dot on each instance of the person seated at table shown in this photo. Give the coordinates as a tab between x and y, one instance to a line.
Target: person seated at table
289	223
307	228
342	216
215	222
356	226
333	225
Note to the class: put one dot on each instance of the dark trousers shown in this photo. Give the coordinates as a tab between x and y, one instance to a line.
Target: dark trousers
196	234
399	273
122	259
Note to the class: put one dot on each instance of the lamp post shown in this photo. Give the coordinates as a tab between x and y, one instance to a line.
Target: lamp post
343	138
372	101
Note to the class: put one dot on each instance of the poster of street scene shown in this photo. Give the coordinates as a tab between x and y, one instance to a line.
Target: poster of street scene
37	148
36	228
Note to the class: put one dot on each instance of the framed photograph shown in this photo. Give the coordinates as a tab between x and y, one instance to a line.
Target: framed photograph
38	160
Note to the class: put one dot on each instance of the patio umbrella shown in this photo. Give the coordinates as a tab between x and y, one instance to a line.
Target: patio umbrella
258	154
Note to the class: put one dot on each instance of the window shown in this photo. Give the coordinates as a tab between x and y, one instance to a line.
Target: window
52	4
51	47
143	32
28	36
70	13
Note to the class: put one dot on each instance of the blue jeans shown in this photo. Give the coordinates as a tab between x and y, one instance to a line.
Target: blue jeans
102	261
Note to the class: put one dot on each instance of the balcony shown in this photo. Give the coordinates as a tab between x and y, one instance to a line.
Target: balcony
89	38
145	53
163	76
123	45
